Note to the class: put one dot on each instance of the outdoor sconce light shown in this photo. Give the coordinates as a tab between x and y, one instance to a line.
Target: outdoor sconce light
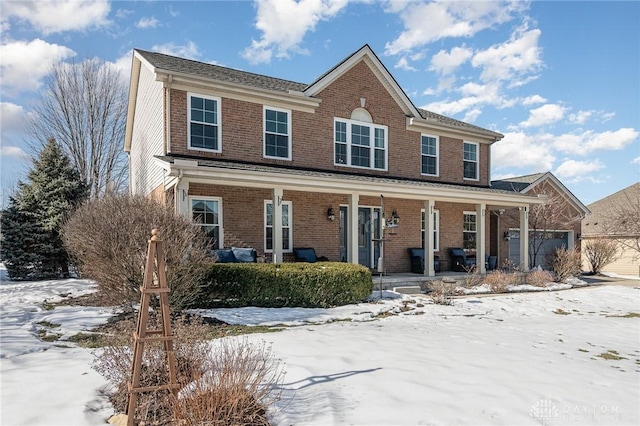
330	214
507	236
395	219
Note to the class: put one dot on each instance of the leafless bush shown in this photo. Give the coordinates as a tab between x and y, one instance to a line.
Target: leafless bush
442	292
566	263
231	383
599	252
539	278
508	265
473	277
108	240
498	280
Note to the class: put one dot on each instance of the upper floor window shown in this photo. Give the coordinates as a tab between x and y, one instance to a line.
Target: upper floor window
287	237
206	212
469	230
204	123
436	229
429	155
277	133
360	144
470	160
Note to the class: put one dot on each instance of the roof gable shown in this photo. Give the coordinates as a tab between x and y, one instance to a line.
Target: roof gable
366	55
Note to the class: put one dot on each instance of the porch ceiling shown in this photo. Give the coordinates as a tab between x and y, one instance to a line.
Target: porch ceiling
288	178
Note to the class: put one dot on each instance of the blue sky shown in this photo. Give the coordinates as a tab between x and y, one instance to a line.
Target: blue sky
561	80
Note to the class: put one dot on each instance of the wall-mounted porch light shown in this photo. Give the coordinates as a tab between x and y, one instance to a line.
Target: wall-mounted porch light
331	214
507	236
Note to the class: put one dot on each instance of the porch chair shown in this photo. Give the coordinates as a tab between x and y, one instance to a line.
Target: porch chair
307	254
460	261
416	255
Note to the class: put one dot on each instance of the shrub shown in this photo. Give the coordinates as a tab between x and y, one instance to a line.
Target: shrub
566	263
322	284
231	383
108	240
442	292
599	252
498	280
539	278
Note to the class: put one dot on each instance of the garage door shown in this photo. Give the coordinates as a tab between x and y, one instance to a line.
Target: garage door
547	242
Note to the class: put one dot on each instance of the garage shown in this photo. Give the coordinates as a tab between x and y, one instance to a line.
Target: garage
542	243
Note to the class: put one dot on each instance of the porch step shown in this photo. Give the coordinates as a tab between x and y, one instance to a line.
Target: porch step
408	289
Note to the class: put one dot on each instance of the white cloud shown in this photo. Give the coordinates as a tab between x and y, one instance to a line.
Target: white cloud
517	58
12	118
13	151
532	100
580	117
403	63
123	66
55	16
284	23
575	171
522	150
546	114
589	141
635	160
188	50
428	22
445	62
145	23
25	63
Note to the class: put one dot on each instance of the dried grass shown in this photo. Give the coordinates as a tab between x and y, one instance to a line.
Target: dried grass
499	280
539	278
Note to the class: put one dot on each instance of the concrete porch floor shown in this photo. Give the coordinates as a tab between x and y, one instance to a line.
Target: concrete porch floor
411	283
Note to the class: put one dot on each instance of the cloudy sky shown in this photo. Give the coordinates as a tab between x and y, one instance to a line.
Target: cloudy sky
561	80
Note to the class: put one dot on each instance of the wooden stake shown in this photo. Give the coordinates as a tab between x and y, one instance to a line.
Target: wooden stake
154	268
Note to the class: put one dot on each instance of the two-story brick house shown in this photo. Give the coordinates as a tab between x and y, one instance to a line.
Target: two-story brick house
274	164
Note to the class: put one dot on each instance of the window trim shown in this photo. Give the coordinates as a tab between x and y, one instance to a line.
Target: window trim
191	198
477	161
290	227
437	156
264	132
464	213
218	124
436	229
372	147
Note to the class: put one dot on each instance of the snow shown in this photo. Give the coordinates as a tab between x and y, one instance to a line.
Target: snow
515	358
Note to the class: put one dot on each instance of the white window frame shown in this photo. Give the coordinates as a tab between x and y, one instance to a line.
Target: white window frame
436	229
475	231
193	198
477	160
218	124
289	205
437	156
264	132
372	146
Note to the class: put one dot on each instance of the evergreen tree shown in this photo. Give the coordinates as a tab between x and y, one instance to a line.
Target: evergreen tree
31	225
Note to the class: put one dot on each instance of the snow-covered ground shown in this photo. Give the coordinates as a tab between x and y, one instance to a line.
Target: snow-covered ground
513	359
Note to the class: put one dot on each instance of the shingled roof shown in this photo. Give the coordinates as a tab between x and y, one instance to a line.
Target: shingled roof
516	184
173	64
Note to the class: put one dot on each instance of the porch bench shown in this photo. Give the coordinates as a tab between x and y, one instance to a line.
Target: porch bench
236	255
416	255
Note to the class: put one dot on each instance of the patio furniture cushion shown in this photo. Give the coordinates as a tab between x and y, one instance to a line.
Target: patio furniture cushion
460	261
224	255
307	254
416	255
246	255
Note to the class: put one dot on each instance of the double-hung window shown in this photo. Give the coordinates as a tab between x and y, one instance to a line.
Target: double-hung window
436	230
204	122
360	144
277	133
207	212
430	155
469	230
470	160
287	237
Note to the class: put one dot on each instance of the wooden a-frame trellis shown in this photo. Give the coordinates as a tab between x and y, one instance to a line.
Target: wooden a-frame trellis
154	284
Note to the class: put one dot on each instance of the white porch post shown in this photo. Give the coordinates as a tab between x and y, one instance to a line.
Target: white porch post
429	212
352	237
182	198
276	196
524	238
480	237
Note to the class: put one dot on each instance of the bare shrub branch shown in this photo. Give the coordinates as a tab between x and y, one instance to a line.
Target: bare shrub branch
539	278
599	252
566	263
499	281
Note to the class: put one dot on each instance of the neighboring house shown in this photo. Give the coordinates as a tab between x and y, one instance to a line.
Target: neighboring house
617	217
552	225
273	164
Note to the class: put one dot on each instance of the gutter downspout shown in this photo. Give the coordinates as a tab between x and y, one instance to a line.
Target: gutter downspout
167	125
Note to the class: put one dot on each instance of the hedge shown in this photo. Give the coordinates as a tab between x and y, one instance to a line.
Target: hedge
320	285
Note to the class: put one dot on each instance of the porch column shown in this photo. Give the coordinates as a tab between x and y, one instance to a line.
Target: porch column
276	199
524	238
181	197
352	237
429	213
481	210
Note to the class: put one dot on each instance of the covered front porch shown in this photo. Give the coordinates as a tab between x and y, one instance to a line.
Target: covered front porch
403	213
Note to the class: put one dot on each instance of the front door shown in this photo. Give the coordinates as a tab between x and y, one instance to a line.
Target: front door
368	235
